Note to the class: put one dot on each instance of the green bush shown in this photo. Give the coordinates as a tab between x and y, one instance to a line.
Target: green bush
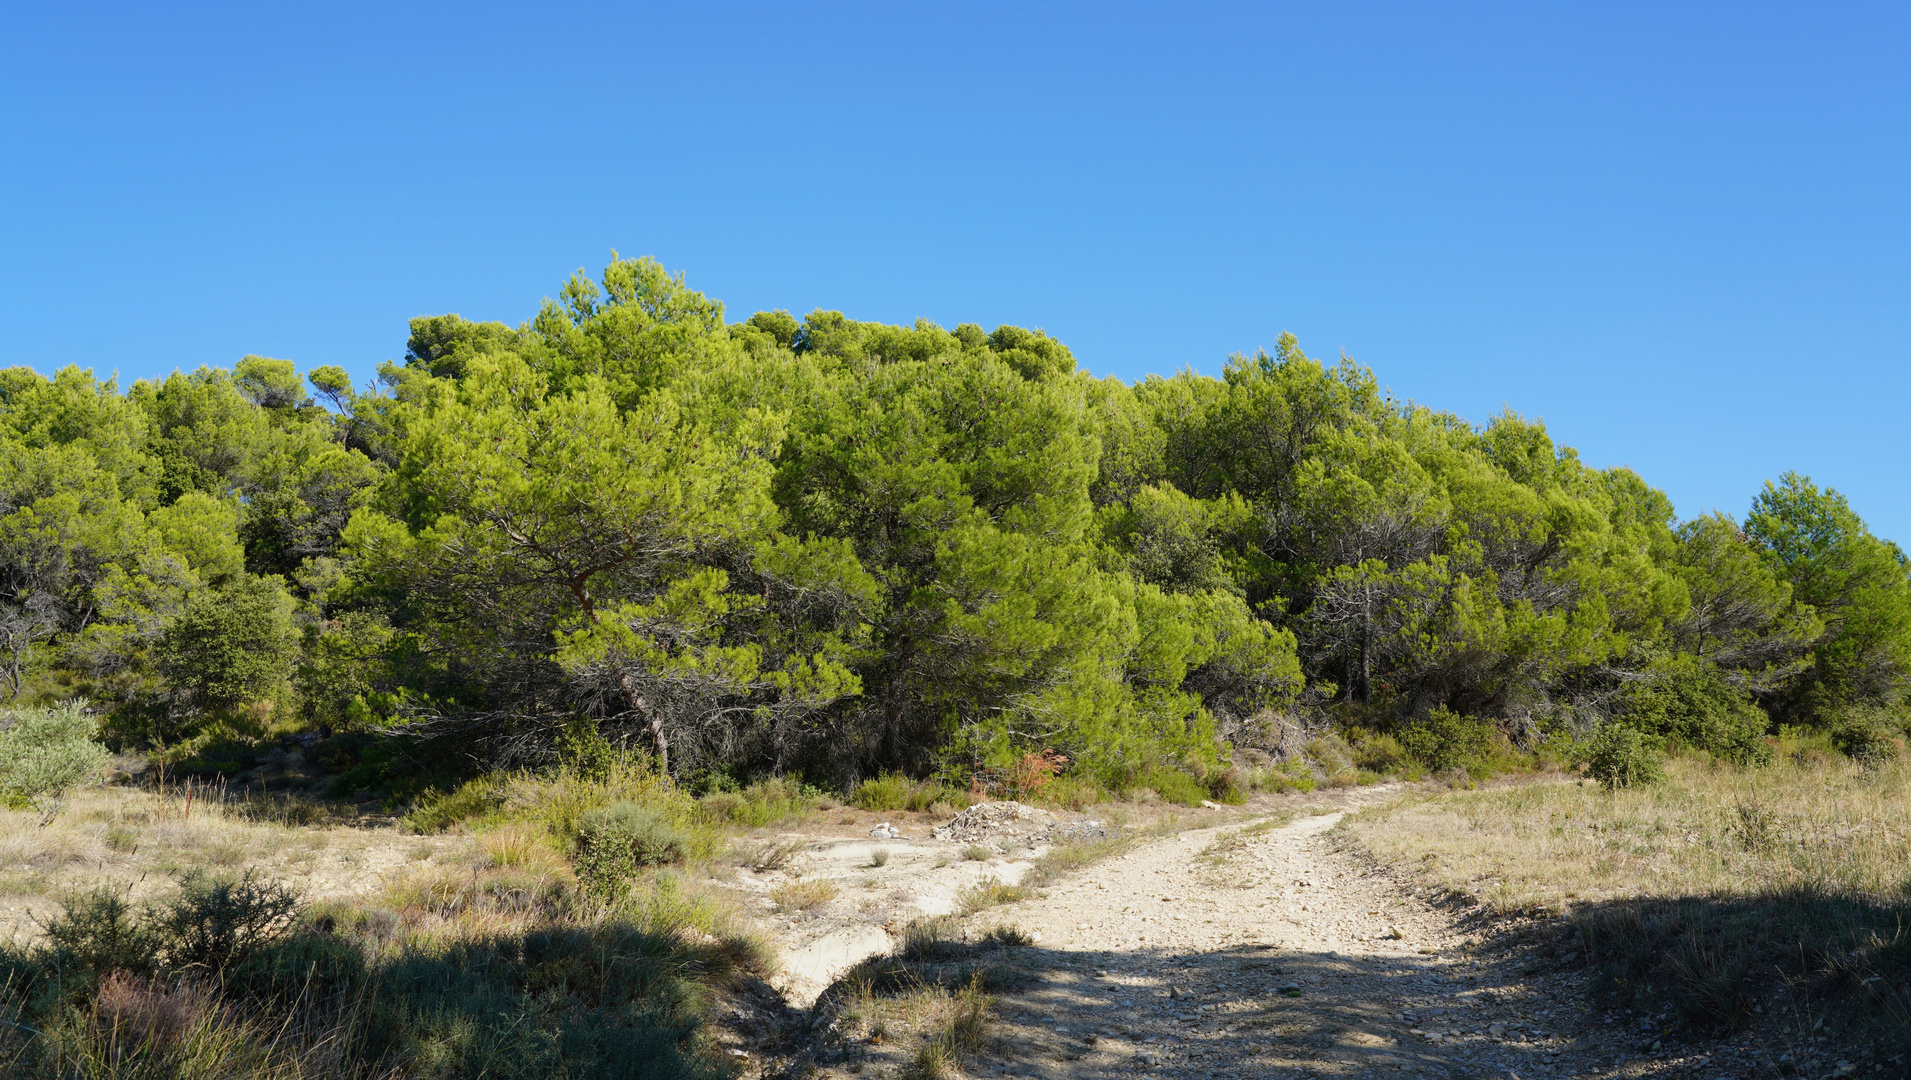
888	792
583	750
1689	703
1871	734
46	753
1447	740
1620	756
216	922
1382	754
438	811
613	841
768	801
96	932
1174	786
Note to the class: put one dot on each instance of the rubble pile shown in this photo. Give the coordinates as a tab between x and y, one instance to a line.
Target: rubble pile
1012	824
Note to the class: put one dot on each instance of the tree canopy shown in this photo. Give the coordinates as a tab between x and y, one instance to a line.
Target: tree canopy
840	547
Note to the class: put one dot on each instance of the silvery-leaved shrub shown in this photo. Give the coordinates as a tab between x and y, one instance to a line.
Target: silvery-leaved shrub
46	753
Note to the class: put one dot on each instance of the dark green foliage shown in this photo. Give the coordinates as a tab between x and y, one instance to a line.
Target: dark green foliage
1619	756
216	922
1447	740
98	932
230	645
1870	733
612	842
1691	704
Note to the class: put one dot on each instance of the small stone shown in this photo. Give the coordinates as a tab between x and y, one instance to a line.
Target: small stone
1394	933
1497	1030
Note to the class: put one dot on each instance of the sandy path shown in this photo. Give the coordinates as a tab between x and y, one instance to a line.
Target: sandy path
1232	952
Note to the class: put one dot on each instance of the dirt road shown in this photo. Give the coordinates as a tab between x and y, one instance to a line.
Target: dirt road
1252	951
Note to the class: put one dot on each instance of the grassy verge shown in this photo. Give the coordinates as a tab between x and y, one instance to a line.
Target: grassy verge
1720	896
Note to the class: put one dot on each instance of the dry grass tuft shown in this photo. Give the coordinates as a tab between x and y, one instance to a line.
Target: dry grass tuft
989	892
803	894
960	1029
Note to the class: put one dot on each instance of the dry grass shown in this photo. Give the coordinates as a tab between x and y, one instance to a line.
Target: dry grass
1830	827
803	894
989	892
132	838
920	1013
959	1027
1728	897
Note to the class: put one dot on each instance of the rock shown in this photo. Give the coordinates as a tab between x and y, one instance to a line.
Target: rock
1394	933
886	831
1497	1030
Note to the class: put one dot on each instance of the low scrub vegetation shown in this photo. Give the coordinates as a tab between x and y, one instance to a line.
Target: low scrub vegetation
562	937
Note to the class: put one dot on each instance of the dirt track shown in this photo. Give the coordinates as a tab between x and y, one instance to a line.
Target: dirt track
1267	947
1230	952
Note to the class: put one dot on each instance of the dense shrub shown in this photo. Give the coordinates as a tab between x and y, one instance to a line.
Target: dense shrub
1447	740
97	931
46	753
1230	785
613	841
1174	785
438	811
1383	754
1689	703
1619	756
216	922
1869	733
888	792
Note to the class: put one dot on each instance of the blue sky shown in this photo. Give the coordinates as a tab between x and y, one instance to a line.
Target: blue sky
1678	233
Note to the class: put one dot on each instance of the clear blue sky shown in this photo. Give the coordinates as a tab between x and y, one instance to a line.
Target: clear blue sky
1676	232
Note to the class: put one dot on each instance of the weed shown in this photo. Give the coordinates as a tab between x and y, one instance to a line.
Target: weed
803	894
933	938
978	853
771	855
964	1031
989	892
879	857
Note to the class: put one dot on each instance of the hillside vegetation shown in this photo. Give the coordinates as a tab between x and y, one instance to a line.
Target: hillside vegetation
839	549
